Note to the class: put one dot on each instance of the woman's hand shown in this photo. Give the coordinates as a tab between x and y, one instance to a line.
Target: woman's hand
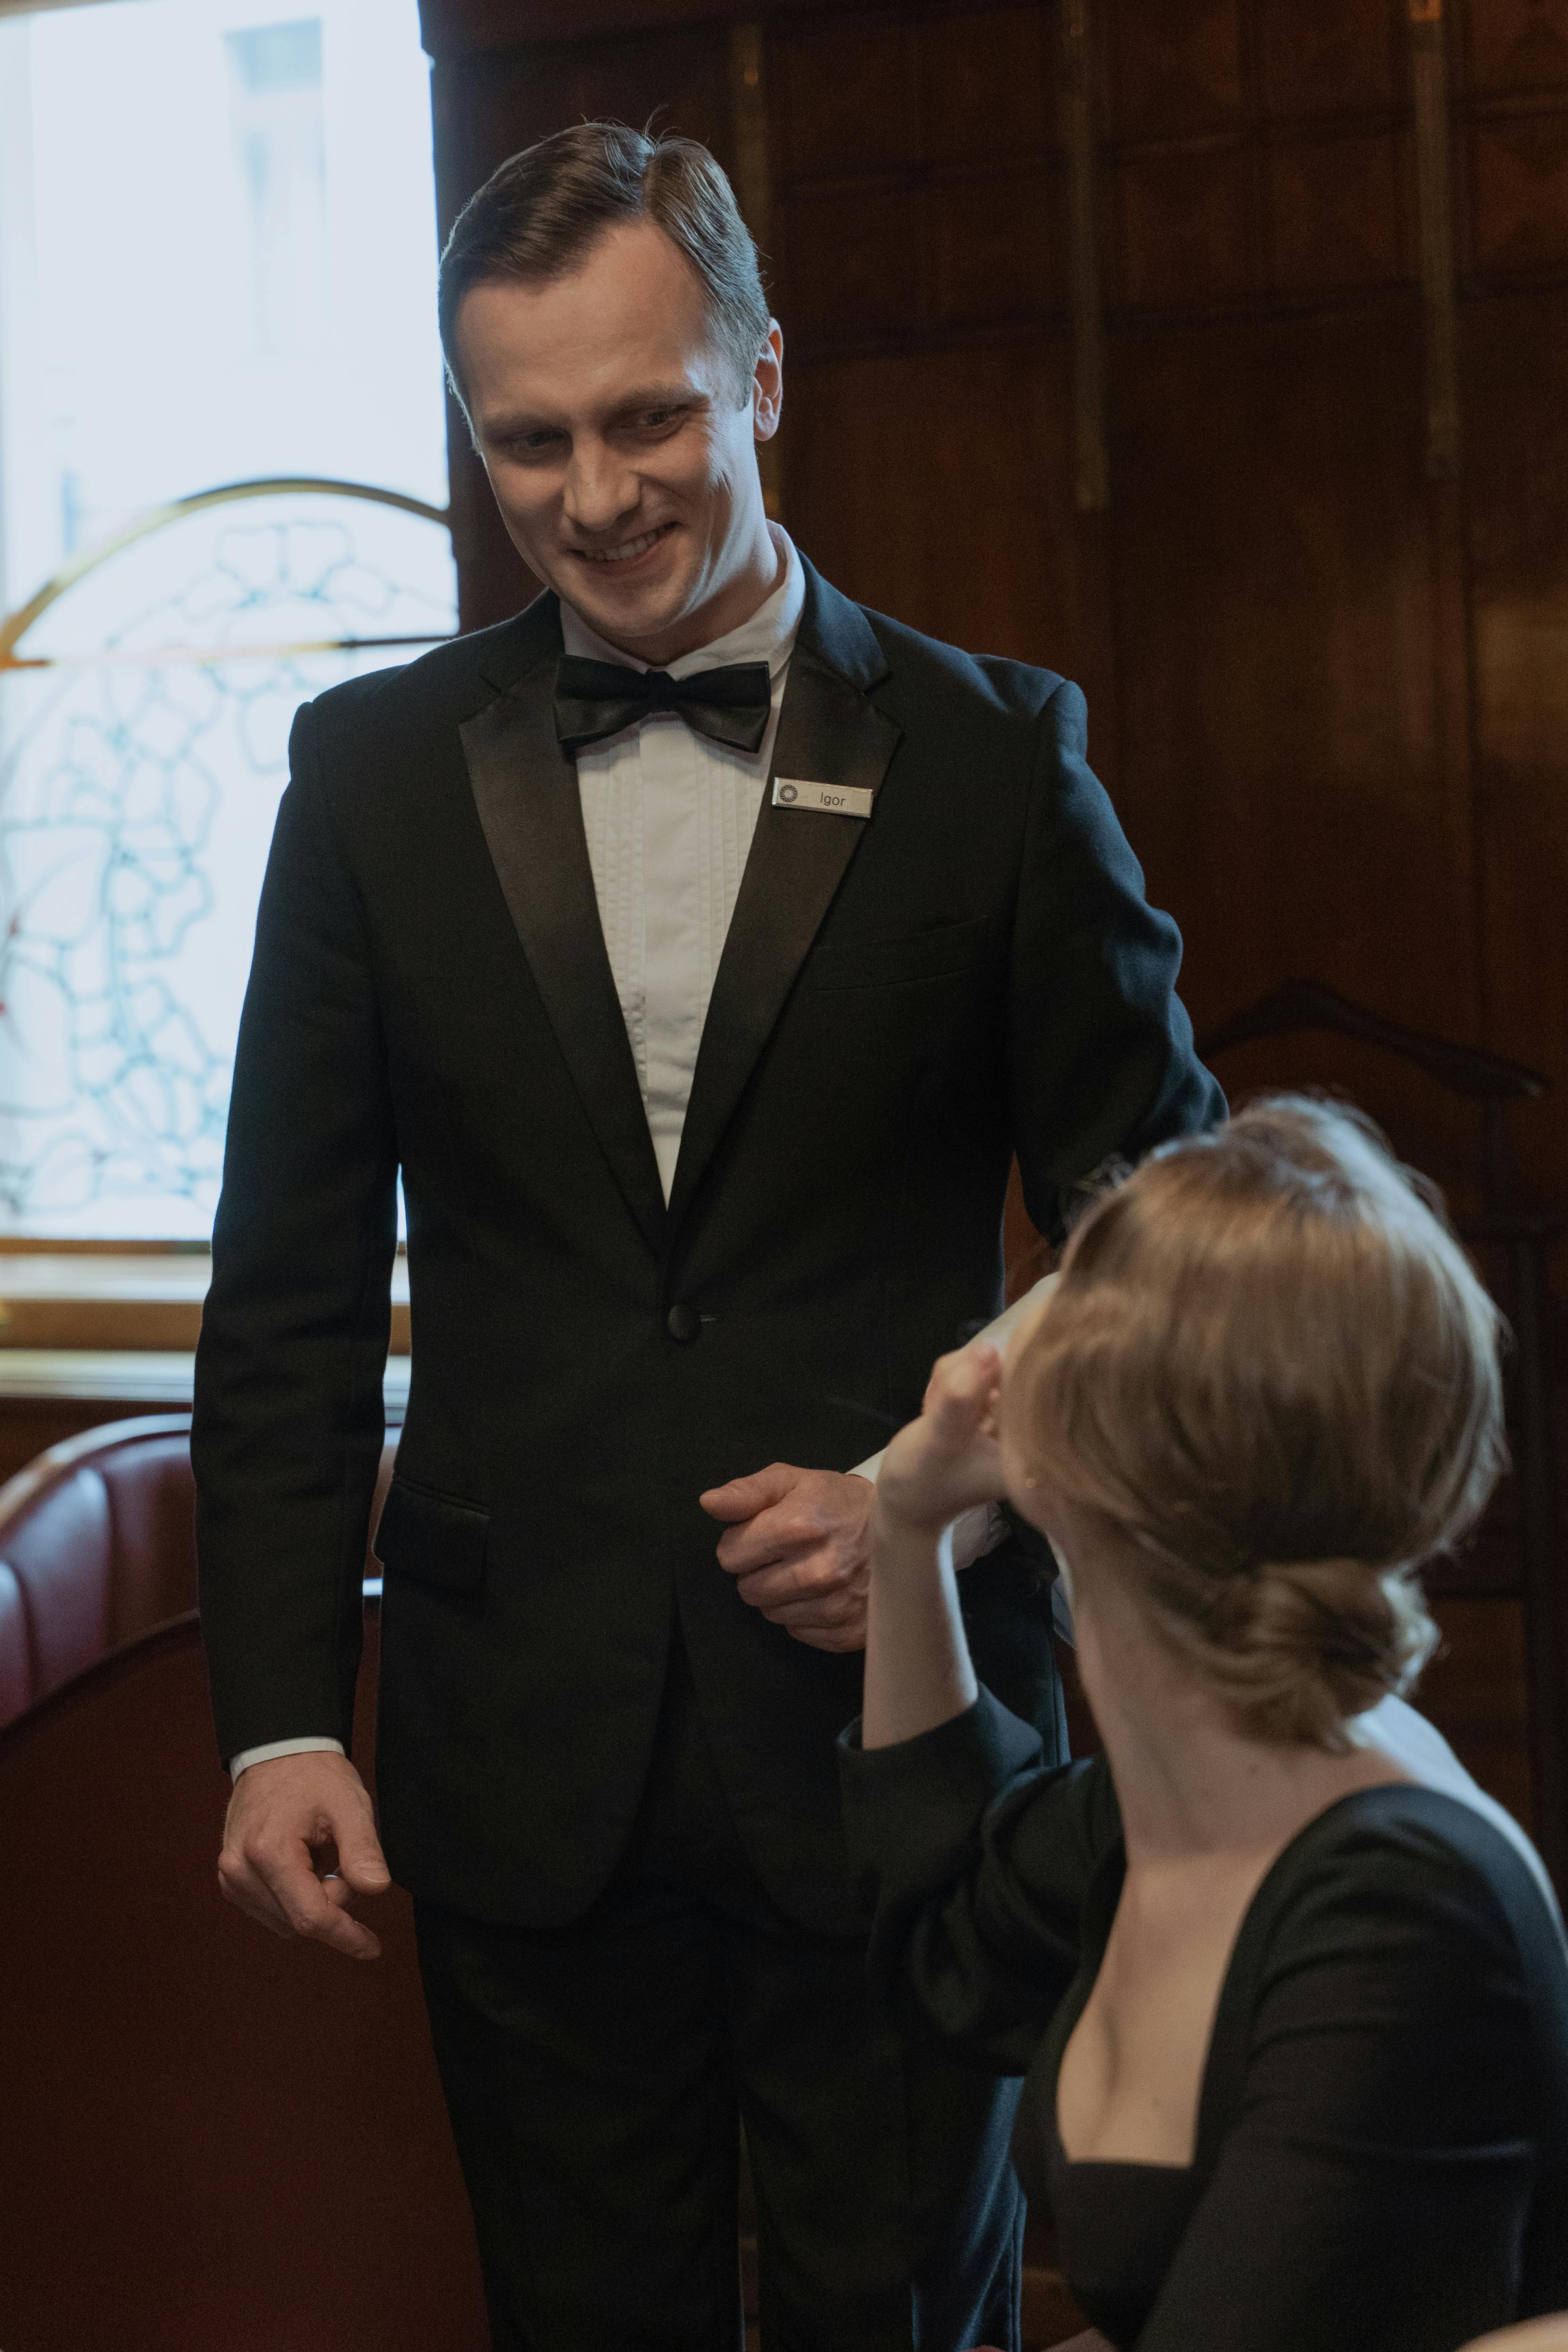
917	1667
950	1458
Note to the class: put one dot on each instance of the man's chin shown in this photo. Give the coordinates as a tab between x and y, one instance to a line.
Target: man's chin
624	615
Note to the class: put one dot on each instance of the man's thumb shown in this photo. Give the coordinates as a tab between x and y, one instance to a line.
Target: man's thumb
742	1499
360	1860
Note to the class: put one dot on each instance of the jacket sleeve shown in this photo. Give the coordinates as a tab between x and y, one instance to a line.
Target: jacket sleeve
289	1423
1101	1059
971	1861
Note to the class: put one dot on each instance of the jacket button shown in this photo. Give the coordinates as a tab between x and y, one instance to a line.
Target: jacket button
683	1323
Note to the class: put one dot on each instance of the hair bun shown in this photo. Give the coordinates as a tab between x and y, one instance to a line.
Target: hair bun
1301	1646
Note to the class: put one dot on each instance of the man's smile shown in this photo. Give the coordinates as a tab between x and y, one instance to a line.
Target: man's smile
629	550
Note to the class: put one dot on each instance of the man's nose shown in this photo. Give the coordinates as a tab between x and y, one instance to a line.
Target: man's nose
599	491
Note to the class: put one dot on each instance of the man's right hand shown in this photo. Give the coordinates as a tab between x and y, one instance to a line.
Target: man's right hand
298	1845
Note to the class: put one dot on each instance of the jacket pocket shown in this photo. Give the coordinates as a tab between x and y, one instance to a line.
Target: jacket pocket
432	1538
932	954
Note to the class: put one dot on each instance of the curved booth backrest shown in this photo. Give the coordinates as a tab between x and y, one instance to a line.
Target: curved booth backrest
97	1544
211	2137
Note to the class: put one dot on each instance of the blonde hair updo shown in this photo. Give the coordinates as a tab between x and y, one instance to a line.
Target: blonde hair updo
1269	1363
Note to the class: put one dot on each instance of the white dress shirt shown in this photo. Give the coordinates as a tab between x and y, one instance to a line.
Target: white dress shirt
670	817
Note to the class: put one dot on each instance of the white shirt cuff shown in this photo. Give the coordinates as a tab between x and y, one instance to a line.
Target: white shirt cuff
1061	1611
976	1532
1007	1323
264	1755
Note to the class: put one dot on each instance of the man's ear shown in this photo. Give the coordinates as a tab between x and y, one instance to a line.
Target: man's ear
767	384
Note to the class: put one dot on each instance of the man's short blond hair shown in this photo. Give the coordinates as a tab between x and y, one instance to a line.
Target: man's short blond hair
540	213
1269	1363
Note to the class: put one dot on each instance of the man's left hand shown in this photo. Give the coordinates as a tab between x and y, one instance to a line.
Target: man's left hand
798	1544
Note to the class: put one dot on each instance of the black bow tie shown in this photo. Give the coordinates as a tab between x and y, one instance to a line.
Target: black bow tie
594	698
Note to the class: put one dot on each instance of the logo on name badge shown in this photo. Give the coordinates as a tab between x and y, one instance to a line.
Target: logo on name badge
833	800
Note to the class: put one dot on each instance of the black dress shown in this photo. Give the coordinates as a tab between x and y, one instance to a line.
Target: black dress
1382	2155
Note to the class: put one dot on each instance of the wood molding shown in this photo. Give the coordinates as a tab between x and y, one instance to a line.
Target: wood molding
465	27
132	1302
457	27
1434	198
120	1376
1091	464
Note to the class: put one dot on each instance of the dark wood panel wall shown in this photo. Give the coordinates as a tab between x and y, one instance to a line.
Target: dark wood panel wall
1328	679
1216	353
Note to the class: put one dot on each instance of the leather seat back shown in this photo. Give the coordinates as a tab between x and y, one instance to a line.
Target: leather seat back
152	1519
97	1545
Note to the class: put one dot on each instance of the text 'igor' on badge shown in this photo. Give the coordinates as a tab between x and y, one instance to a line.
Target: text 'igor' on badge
839	800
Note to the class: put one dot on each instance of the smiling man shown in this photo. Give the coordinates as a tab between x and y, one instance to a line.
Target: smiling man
701	948
618	433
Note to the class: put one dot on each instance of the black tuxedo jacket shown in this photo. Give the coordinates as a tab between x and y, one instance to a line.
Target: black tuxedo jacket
902	1002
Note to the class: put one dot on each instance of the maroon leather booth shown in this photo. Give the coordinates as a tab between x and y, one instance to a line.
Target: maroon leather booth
97	1545
207	2136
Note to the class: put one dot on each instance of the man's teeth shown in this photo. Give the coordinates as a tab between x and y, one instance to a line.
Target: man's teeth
622	554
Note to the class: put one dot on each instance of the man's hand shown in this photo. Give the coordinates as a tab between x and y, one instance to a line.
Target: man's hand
799	1546
298	1845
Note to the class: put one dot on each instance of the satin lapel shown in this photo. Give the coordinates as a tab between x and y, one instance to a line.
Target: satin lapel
526	793
831	734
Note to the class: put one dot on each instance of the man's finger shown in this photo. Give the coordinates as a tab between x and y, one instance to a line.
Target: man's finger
249	1896
279	1884
843	1639
811	1579
290	1876
742	1499
314	1910
361	1862
777	1534
339	1931
836	1615
827	1612
243	1886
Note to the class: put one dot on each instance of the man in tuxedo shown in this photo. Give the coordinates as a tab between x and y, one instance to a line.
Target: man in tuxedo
701	948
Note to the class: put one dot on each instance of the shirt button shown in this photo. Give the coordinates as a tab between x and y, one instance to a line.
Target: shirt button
683	1323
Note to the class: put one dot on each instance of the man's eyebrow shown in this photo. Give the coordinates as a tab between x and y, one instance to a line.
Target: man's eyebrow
657	396
663	395
509	423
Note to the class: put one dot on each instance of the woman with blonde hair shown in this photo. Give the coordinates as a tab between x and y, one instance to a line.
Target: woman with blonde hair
1289	1998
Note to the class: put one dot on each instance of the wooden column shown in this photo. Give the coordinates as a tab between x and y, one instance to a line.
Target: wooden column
1433	182
1091	464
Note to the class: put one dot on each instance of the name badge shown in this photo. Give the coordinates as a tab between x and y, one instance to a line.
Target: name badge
839	800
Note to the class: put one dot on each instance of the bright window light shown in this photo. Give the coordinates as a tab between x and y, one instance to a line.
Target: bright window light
217	266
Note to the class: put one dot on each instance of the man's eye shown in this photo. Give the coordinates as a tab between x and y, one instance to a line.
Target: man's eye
658	416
